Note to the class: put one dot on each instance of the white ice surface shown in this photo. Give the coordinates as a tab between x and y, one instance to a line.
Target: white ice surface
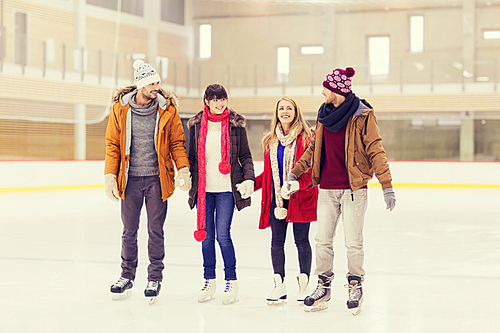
433	265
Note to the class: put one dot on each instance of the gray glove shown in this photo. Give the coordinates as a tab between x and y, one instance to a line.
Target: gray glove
290	186
390	198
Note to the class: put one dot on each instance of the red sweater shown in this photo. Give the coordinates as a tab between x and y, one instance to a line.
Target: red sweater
334	172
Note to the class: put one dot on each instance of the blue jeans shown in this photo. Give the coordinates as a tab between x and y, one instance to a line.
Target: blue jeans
219	212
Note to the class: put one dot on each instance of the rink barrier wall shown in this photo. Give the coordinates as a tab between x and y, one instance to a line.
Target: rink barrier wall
22	176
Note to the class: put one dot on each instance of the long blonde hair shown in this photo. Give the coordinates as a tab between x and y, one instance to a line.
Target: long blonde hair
271	137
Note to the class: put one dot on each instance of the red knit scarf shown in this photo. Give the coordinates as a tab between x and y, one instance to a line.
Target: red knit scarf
224	166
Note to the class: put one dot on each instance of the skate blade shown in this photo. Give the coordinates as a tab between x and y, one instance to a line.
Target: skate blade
229	301
276	302
357	310
126	294
206	299
316	308
152	300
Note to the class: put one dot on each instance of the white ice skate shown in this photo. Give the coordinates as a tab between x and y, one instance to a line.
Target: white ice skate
355	293
122	289
303	281
320	297
207	292
152	291
278	295
230	292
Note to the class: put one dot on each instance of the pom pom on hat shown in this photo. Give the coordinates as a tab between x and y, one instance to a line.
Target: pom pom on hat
144	74
138	63
339	81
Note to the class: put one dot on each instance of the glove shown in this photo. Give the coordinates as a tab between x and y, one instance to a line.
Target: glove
183	179
110	187
290	186
390	198
245	188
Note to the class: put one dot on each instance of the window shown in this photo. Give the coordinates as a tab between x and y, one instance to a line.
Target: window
306	50
416	34
172	11
491	34
283	63
205	41
379	55
134	7
21	38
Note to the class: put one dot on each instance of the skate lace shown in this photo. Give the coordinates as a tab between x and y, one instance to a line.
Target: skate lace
152	285
354	291
207	283
319	292
228	286
121	282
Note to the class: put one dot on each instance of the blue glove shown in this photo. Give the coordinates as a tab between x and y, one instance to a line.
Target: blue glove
390	198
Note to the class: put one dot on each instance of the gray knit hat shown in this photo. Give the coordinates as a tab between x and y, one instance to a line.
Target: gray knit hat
144	74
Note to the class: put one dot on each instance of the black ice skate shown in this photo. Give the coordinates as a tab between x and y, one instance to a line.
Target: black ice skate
122	288
355	294
152	291
320	297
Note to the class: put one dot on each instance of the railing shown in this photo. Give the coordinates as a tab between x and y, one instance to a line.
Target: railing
62	61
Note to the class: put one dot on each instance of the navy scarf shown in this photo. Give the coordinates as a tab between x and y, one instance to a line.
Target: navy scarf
335	118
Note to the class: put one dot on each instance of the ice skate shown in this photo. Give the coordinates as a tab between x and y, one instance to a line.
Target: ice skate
230	292
303	281
207	292
122	289
278	295
319	298
152	291
355	293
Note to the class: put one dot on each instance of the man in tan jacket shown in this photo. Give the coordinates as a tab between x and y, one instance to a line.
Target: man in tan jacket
343	157
144	139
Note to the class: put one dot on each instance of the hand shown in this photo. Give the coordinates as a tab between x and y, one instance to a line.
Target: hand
245	188
390	198
183	179
110	187
290	186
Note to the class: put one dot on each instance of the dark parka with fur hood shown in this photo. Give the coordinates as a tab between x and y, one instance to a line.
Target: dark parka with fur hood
240	157
169	139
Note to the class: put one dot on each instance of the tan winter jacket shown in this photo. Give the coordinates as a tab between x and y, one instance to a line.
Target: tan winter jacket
364	154
169	140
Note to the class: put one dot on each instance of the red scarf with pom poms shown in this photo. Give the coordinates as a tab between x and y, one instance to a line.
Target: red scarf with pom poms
224	165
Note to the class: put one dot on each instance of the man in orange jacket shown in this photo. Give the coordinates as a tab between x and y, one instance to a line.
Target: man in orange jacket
144	138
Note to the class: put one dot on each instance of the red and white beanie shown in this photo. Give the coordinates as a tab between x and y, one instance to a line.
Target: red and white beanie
339	81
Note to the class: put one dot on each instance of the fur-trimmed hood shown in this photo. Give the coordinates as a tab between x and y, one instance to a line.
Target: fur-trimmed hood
234	118
168	94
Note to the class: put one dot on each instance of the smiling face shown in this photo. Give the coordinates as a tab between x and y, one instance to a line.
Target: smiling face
286	113
216	105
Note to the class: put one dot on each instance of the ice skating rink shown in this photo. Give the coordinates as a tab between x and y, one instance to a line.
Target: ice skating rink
433	265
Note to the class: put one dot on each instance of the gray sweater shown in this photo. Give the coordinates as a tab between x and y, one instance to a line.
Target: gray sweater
143	156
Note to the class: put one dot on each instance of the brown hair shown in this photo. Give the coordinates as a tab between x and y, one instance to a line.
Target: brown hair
214	91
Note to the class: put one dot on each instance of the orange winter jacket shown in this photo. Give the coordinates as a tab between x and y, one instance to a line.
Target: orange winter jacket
169	140
364	154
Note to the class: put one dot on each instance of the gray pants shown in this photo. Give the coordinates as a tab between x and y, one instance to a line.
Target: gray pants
139	190
331	205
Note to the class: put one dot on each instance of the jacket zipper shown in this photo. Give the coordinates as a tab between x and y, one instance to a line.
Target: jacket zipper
347	157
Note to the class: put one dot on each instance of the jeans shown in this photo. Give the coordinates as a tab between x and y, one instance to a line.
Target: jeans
139	190
331	205
219	216
278	237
